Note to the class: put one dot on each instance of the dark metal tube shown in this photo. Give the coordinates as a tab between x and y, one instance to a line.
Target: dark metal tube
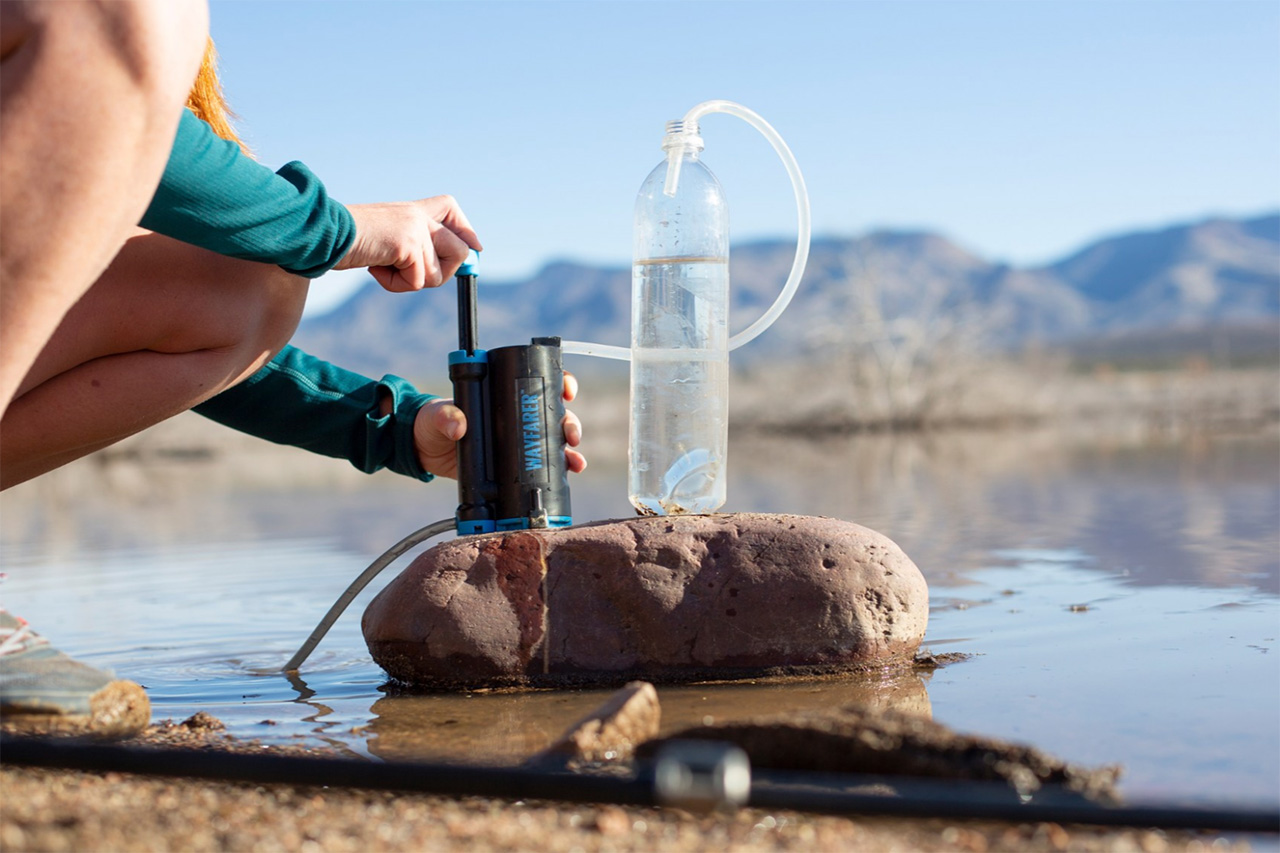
446	779
791	791
475	457
468	330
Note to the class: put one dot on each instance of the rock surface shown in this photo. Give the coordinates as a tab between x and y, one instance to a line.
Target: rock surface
665	599
885	742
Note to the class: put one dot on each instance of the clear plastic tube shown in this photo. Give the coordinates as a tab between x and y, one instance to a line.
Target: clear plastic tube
597	350
803	229
803	226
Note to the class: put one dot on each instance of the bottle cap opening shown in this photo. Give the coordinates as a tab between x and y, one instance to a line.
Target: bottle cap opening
682	134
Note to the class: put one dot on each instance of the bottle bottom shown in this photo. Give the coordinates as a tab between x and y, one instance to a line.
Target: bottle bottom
694	484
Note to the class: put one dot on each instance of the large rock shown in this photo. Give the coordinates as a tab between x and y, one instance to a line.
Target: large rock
665	599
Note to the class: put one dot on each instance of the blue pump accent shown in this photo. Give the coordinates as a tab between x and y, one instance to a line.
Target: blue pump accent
461	356
523	523
468	528
471	265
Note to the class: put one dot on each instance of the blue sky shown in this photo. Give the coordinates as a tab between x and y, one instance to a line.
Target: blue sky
1019	129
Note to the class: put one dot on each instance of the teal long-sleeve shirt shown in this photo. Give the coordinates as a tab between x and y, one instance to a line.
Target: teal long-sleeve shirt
300	400
213	196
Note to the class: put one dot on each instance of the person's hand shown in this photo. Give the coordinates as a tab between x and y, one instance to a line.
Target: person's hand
409	245
440	424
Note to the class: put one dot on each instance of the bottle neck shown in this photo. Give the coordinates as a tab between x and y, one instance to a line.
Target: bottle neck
681	141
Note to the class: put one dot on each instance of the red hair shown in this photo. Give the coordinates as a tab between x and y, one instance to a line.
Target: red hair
207	101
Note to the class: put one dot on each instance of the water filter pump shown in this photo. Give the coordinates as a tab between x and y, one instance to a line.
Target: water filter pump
512	473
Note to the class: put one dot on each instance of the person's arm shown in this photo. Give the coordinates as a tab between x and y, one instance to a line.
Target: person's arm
300	400
214	196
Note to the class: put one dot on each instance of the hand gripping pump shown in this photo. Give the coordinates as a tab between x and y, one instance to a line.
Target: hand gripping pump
511	467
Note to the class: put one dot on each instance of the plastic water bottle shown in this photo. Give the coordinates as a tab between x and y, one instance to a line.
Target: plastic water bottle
680	339
679	431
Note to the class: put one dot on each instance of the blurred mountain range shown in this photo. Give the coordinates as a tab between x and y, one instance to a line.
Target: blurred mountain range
1213	283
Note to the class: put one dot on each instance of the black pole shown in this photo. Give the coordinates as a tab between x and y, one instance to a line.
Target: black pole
791	791
468	329
444	779
469	372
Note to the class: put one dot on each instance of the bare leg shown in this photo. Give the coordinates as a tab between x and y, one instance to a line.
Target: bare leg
166	327
90	97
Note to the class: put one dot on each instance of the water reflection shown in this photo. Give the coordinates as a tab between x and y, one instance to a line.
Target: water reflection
1176	683
1191	512
509	727
1186	512
1120	597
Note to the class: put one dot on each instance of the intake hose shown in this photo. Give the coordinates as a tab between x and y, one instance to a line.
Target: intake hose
375	568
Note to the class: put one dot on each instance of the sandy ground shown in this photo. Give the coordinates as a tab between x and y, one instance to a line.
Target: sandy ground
74	811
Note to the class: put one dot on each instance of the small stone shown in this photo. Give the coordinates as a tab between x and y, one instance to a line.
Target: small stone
1152	842
664	599
203	721
611	732
612	820
1058	837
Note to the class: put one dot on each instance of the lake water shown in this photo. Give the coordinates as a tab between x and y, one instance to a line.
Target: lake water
1119	598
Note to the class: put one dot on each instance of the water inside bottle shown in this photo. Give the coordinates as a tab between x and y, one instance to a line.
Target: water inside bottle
680	384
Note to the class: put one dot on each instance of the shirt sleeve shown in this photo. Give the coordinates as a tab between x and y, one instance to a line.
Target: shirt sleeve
214	196
300	400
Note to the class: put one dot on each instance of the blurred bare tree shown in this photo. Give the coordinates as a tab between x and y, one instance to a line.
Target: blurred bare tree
931	356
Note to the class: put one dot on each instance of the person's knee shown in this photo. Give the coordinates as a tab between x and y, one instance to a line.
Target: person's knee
256	309
167	296
146	51
159	44
166	52
281	300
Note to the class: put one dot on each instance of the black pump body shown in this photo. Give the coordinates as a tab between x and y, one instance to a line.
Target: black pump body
511	467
